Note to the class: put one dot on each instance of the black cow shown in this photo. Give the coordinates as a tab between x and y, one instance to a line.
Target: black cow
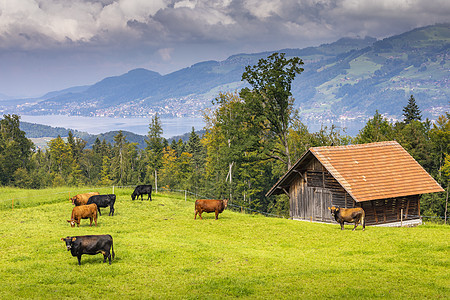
103	201
141	190
90	244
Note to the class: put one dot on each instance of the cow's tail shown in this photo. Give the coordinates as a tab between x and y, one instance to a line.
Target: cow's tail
363	221
112	248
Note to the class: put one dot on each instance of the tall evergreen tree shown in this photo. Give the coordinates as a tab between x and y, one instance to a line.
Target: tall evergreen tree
411	111
155	146
118	164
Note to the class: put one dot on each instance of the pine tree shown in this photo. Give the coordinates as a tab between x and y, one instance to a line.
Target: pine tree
411	111
154	149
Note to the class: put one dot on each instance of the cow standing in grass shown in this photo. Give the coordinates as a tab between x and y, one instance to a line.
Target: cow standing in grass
90	244
83	212
104	201
209	205
141	190
349	215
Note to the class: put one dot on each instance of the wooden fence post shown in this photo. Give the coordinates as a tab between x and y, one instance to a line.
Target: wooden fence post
401	217
446	205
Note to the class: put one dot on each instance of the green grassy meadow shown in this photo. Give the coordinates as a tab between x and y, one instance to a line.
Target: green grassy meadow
163	253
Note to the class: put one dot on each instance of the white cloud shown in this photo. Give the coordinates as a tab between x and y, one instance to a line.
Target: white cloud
165	53
185	3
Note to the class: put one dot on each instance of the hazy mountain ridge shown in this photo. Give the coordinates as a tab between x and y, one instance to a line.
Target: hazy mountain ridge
347	79
41	134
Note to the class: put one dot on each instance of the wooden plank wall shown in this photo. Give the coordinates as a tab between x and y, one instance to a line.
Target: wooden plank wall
309	196
389	210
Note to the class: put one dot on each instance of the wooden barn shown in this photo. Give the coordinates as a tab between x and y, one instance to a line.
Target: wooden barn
382	178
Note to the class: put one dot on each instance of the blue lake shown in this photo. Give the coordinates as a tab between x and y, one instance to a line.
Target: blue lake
96	125
171	126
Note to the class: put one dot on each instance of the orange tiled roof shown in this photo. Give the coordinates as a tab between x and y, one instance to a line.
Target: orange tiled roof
376	170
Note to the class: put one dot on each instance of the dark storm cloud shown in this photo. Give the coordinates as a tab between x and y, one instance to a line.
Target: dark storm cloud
112	21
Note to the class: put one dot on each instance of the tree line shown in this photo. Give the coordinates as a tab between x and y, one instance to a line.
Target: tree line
252	137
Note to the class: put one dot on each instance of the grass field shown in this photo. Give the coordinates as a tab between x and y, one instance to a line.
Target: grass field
163	253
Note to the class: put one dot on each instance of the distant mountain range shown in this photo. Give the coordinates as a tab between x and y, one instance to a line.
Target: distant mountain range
345	80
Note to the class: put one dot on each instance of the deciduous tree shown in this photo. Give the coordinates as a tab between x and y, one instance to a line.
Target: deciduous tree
270	99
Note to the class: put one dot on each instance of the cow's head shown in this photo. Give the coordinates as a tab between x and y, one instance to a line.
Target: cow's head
225	203
133	196
334	210
72	222
69	241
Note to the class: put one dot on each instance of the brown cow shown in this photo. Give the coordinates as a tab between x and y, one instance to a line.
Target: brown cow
83	212
349	215
209	205
82	199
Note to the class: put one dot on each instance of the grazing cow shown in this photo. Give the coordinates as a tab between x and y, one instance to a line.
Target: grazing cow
83	212
82	199
141	190
104	201
90	244
349	215
209	205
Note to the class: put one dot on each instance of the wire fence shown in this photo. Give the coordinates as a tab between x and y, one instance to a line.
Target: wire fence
33	198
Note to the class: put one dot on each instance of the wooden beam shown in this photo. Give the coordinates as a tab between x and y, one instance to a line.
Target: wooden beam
374	211
407	208
345	199
300	173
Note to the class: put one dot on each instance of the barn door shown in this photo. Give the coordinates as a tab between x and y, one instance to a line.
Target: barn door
321	202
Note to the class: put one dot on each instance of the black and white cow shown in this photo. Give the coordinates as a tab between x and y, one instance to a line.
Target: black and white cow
90	244
103	201
141	190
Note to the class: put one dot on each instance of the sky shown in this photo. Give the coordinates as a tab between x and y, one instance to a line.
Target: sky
49	45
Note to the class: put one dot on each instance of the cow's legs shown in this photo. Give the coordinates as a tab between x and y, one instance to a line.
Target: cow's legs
99	212
356	224
79	259
342	225
106	255
90	223
111	211
217	214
